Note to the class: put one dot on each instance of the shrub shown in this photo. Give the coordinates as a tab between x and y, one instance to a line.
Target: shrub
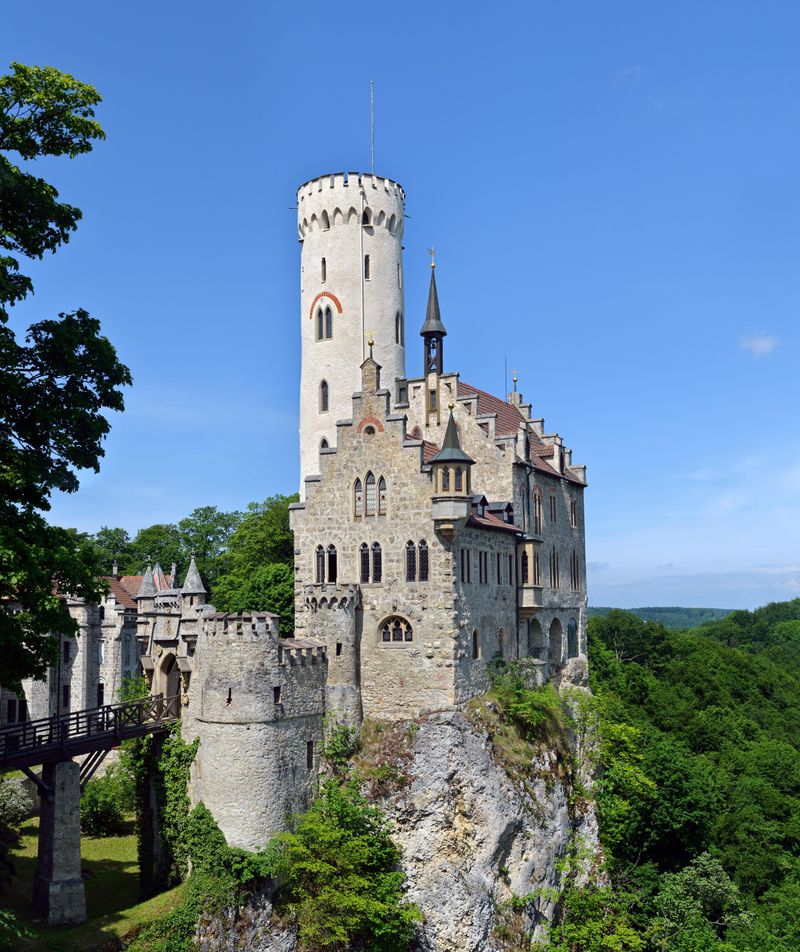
104	804
14	804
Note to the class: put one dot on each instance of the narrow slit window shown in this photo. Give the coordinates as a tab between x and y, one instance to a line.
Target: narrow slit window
332	563
324	270
423	561
358	498
411	562
381	496
364	560
377	562
324	396
310	754
320	324
328	323
276	695
320	565
366	267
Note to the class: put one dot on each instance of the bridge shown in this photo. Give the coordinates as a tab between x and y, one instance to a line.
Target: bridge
58	889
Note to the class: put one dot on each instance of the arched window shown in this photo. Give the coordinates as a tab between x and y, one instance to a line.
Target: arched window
411	562
446	479
366	217
320	576
323	397
555	646
392	223
476	645
537	513
323	444
320	324
370	507
358	499
524	568
537	571
399	334
328	322
324	270
423	561
572	638
326	224
381	496
332	566
396	631
364	560
459	479
527	448
377	562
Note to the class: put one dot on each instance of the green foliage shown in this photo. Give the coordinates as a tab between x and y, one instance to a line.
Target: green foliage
54	387
698	788
339	878
14	806
106	802
340	744
257	570
675	618
538	713
597	919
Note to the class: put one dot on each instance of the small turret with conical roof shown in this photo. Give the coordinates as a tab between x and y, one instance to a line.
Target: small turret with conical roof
452	482
193	592
148	587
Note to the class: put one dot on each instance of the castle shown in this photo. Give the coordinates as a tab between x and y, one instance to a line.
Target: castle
438	528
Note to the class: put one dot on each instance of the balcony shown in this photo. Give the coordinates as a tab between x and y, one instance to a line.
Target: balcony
529	598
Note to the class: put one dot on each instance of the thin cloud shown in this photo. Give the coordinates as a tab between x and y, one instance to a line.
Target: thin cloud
630	74
761	345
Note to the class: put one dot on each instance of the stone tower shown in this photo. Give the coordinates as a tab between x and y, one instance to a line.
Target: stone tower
351	289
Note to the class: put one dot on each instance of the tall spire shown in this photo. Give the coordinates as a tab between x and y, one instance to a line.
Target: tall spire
433	319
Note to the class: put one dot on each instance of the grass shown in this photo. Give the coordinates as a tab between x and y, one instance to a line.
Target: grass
112	895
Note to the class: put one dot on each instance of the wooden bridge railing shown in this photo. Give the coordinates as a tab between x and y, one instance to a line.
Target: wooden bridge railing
81	732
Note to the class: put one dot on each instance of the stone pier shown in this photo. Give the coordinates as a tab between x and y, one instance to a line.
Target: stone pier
58	889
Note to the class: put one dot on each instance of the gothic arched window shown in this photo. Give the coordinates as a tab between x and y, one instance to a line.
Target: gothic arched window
524	568
446	479
364	562
328	322
572	638
358	498
324	395
459	479
370	507
320	560
423	561
411	562
320	324
332	566
323	444
381	496
396	631
377	562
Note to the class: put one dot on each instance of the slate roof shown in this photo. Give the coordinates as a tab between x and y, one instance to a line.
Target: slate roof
451	451
433	318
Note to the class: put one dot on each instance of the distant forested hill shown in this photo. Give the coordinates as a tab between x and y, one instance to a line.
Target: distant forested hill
671	617
699	784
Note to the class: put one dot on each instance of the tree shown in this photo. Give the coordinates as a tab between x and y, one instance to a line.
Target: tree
205	532
159	543
54	387
269	588
113	545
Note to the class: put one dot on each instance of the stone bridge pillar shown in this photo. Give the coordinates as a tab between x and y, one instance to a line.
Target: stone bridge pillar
58	889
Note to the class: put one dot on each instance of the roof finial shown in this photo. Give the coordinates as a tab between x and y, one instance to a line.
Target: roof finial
370	342
514	378
432	253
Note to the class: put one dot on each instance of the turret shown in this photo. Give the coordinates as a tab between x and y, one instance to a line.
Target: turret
452	482
350	227
193	592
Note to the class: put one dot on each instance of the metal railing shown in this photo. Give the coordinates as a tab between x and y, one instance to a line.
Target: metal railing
51	738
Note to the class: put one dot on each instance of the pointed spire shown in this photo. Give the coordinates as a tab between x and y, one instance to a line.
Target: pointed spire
451	451
433	319
193	584
148	587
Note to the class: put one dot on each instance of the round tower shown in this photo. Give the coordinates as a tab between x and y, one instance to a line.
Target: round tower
350	227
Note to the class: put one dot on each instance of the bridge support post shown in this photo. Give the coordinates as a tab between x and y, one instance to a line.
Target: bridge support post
58	888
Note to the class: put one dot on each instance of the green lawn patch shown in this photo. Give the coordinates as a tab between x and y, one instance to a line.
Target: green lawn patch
112	895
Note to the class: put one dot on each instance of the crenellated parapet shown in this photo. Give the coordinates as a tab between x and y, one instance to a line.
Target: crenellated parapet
345	198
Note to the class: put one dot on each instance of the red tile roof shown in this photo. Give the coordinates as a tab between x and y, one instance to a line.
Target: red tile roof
488	521
121	594
429	450
508	417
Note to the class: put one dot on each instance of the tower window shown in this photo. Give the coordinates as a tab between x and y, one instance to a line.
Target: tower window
366	267
432	401
446	479
423	561
320	565
323	397
276	694
328	323
370	507
324	270
573	513
411	562
524	568
323	444
310	754
553	508
399	272
320	324
476	645
399	333
366	217
332	564
459	479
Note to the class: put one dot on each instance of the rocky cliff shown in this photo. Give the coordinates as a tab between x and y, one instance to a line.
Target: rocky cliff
485	826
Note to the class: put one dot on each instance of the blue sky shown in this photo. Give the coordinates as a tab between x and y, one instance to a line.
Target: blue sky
613	190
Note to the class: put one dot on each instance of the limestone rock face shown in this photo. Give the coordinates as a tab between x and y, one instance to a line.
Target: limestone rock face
471	836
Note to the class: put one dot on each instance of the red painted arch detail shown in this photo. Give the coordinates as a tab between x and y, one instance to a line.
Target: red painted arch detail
323	294
370	421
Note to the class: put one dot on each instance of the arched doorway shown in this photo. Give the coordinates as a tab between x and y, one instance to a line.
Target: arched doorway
169	677
556	648
536	644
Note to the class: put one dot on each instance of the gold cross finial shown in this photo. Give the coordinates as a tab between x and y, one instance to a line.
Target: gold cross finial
432	253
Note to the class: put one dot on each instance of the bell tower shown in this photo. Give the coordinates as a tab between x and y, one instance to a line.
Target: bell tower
350	228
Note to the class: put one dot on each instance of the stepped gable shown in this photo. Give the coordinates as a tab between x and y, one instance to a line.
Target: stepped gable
509	419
